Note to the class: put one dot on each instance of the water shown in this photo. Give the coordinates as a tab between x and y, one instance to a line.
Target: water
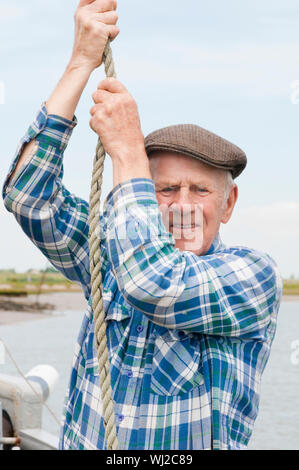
51	341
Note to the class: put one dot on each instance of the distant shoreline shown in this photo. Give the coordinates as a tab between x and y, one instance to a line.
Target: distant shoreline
290	298
61	301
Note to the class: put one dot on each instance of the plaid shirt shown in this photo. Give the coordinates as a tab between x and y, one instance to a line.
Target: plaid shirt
188	336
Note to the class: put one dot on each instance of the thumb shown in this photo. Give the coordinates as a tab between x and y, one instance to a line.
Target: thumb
82	3
112	85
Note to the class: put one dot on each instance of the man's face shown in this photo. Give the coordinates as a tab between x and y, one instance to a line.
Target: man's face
193	199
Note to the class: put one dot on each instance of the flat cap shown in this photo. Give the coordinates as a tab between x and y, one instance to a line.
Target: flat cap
194	141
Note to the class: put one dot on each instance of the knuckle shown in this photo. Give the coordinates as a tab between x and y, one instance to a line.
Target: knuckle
85	21
78	16
127	99
114	31
112	4
94	27
97	118
81	15
91	123
109	108
77	13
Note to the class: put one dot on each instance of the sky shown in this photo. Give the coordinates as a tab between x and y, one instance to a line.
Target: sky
231	67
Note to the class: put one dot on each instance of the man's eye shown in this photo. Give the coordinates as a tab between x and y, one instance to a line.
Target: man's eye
167	190
202	190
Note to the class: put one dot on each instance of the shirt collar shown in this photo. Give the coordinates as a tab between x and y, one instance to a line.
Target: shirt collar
217	245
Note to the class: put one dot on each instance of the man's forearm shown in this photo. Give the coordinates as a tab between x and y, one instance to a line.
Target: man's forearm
24	159
64	99
135	167
62	102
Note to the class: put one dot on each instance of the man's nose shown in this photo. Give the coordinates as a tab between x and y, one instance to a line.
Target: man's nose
183	200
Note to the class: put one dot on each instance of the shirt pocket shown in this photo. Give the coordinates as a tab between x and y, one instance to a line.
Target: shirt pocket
176	367
117	312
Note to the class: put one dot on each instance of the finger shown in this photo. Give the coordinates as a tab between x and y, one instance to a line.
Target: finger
93	110
83	3
101	6
92	124
101	96
112	85
109	17
113	32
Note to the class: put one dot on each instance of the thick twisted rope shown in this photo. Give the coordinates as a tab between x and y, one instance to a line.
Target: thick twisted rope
96	279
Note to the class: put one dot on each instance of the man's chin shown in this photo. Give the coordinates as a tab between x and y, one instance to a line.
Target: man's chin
194	246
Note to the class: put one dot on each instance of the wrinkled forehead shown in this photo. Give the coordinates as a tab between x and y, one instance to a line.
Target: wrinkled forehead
172	168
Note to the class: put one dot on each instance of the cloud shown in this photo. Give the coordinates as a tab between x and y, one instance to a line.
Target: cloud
8	12
254	69
272	228
2	92
271	21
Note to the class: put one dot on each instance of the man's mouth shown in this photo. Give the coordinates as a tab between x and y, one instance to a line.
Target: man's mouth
185	227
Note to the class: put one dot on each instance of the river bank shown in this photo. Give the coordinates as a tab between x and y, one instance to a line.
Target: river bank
290	298
57	302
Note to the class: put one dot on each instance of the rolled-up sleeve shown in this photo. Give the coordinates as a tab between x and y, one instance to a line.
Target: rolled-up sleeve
53	218
231	292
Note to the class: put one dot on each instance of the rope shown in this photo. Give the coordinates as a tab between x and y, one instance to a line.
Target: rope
96	279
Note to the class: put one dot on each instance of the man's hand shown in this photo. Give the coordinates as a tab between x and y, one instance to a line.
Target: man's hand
116	120
95	23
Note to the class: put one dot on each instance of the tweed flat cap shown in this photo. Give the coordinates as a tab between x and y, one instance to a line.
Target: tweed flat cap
194	141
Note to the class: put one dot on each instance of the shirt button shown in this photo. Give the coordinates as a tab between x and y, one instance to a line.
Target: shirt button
130	374
139	328
121	417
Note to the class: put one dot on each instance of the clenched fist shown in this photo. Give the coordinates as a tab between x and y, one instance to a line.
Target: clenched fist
116	120
95	23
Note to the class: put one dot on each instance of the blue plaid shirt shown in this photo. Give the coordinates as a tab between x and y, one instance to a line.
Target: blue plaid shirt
188	336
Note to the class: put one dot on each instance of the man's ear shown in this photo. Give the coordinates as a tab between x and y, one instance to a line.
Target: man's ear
230	204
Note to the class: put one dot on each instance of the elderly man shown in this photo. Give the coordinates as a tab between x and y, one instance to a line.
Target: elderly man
190	321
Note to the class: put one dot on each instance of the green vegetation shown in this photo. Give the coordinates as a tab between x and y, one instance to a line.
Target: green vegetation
50	280
33	282
291	287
